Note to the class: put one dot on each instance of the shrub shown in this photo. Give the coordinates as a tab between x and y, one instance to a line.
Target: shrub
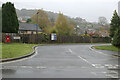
116	38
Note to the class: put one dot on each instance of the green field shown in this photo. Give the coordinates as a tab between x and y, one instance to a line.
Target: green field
107	47
13	50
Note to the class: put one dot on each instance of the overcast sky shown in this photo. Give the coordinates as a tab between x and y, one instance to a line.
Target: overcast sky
86	9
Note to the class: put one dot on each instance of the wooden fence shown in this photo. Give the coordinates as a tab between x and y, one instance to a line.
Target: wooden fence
41	38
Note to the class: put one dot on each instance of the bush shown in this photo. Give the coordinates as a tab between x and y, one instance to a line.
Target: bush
85	35
45	38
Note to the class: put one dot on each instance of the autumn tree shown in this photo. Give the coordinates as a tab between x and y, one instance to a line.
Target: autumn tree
102	21
41	18
62	26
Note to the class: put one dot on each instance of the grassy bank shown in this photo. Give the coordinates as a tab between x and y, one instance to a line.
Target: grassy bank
107	47
13	50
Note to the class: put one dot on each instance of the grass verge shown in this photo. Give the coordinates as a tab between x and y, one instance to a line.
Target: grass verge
107	47
14	50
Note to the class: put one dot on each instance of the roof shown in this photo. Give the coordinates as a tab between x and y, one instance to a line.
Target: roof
104	34
28	27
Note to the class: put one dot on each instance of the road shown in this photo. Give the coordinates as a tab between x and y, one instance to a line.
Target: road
64	61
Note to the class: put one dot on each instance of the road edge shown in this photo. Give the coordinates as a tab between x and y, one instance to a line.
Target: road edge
21	57
94	49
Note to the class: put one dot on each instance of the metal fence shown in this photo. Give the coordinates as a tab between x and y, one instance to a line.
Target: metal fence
41	38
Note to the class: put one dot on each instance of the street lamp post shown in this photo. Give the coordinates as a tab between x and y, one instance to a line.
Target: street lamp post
37	27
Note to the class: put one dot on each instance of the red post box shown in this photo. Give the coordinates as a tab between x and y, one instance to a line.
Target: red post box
7	39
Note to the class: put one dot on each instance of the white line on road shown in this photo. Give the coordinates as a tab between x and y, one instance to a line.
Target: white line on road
86	61
111	76
41	67
70	50
94	65
82	58
97	51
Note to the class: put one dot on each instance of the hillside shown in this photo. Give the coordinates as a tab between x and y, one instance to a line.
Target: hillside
28	13
24	13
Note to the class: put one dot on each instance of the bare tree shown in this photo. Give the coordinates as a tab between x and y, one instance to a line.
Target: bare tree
102	21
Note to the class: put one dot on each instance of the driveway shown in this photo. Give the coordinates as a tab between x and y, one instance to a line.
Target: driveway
64	61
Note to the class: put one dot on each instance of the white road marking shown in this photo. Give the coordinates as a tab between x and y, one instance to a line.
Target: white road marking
112	67
86	61
104	72
97	51
25	67
107	65
94	65
41	67
70	50
114	72
111	76
98	66
23	58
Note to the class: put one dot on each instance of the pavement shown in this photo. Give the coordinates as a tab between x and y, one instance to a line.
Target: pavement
64	61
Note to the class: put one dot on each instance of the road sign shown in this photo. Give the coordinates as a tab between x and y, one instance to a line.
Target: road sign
36	24
16	37
53	36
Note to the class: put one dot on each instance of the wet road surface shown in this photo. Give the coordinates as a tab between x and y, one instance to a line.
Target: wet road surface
64	61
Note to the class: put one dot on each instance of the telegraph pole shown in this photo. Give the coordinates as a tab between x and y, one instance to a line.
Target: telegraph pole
37	27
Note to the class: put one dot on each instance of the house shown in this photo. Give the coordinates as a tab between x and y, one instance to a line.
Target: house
89	31
104	33
25	28
23	21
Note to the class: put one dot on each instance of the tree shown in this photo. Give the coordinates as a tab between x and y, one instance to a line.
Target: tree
102	21
62	27
116	39
42	20
115	22
10	22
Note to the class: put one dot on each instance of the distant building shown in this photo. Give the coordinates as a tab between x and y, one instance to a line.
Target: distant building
91	31
104	33
25	28
119	8
20	18
23	21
